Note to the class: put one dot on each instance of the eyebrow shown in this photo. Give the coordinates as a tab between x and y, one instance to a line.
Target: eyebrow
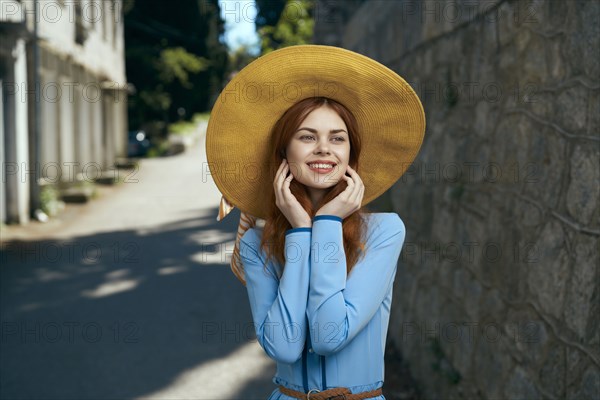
315	131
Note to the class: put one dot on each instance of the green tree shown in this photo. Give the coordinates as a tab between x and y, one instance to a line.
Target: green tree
268	12
239	59
175	58
175	63
295	24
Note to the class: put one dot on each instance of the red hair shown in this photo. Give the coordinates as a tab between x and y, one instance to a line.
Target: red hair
276	224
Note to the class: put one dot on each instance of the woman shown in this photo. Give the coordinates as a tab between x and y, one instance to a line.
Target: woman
320	273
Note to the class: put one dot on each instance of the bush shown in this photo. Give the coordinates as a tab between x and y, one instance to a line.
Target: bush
50	200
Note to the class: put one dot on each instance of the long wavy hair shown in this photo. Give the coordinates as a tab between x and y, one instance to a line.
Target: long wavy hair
276	224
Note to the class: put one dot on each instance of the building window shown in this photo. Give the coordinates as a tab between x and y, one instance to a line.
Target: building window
81	32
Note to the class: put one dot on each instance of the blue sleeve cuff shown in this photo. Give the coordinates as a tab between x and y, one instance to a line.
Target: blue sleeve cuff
301	229
332	217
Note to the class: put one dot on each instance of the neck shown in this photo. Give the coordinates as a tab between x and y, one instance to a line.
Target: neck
315	196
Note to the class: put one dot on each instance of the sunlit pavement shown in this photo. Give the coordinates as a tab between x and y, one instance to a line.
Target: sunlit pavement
131	297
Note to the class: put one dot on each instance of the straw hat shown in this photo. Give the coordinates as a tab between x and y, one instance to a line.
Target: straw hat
390	118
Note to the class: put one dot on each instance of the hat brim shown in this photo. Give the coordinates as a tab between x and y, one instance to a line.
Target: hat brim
389	113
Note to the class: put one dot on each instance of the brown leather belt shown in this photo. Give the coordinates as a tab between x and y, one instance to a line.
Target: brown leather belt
340	393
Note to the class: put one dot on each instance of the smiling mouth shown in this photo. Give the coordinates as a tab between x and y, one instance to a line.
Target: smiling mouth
321	168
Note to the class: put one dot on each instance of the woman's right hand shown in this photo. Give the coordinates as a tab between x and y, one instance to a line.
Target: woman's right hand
286	201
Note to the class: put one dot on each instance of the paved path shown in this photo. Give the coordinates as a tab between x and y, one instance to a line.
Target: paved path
130	297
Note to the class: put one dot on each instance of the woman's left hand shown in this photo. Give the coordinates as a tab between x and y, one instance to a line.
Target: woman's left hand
349	200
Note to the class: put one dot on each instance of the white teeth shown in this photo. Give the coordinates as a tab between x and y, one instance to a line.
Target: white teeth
321	166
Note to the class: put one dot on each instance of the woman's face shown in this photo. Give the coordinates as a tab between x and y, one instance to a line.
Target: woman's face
321	136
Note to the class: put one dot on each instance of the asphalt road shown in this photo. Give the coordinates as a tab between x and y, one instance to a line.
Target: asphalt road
131	297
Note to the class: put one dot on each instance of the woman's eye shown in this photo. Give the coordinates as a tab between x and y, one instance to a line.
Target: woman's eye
339	139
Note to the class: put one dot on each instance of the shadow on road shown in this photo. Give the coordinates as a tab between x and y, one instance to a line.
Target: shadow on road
123	314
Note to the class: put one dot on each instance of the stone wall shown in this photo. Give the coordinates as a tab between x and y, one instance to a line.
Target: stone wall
497	293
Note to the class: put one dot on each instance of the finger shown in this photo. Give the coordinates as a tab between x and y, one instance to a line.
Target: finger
354	175
279	192
348	178
360	195
355	192
283	177
354	187
287	193
359	186
358	181
351	181
348	193
284	171
278	173
356	198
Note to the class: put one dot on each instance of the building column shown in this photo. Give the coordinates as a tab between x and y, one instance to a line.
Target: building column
96	127
67	132
3	71
16	169
84	128
115	98
108	129
50	168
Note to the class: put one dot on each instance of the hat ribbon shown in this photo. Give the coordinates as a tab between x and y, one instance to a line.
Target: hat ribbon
247	221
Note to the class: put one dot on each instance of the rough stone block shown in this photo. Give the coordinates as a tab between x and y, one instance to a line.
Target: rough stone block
547	278
552	375
492	304
583	193
581	311
460	282
511	147
542	176
520	386
472	298
589	388
570	109
556	62
593	124
446	274
526	336
534	65
582	43
491	360
506	24
531	216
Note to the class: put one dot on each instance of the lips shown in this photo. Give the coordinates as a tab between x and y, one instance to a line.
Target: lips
321	167
322	162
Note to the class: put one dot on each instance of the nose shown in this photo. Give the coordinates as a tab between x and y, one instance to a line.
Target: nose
322	147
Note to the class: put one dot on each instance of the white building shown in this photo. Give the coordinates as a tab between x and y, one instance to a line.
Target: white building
80	101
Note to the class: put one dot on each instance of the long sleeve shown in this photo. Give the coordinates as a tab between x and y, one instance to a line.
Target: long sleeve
279	305
338	308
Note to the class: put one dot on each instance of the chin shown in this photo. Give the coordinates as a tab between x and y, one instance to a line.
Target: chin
324	185
327	181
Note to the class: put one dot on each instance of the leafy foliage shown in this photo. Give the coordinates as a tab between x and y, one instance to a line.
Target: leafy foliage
294	25
175	58
239	59
177	63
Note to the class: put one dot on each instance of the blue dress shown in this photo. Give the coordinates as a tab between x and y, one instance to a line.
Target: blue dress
323	328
